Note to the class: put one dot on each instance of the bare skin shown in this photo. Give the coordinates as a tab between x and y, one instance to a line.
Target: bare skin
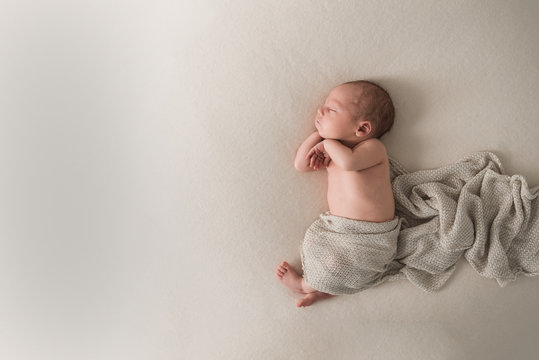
357	165
290	278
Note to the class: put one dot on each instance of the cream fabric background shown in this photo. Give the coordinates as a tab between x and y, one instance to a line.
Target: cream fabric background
147	188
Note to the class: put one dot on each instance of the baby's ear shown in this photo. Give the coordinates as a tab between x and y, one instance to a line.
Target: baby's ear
364	129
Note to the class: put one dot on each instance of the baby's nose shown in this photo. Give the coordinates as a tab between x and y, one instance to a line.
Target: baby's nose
319	111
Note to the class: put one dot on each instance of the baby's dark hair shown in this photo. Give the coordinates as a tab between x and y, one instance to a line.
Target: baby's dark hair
375	106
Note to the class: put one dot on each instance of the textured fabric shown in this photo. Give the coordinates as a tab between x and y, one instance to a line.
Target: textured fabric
468	209
342	256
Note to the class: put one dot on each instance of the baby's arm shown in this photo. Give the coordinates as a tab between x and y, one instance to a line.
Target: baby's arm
302	163
364	155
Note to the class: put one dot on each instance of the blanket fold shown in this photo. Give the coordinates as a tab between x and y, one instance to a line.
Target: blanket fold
469	208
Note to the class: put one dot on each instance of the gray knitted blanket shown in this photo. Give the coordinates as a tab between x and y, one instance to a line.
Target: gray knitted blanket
469	208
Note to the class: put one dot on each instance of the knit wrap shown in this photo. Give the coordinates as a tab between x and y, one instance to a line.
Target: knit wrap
469	208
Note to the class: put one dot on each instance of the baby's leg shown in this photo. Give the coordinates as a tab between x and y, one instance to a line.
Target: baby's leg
311	298
290	278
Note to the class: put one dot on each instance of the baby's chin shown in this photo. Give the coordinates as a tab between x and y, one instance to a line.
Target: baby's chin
324	133
318	127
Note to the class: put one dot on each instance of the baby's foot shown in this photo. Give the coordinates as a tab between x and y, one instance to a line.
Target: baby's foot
290	278
309	299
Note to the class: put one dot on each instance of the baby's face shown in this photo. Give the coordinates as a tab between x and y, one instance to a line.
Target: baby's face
337	119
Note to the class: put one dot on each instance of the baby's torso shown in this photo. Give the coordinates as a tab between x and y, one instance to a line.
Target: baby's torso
362	195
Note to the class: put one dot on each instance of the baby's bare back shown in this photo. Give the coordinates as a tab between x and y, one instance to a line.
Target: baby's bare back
362	195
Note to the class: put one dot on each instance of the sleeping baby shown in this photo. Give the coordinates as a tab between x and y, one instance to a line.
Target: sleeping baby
361	206
385	223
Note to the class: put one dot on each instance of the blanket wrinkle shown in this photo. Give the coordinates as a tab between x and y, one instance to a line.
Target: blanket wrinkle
467	209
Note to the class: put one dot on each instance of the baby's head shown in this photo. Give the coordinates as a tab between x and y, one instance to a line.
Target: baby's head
355	111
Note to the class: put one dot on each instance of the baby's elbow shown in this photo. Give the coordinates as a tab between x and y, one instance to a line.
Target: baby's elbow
300	167
345	165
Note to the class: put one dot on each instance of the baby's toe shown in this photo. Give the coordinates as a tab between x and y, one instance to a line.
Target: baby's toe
304	302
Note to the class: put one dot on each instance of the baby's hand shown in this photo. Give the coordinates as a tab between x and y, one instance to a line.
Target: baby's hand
318	157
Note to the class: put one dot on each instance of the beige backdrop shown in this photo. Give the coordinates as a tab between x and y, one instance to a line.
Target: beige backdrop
147	187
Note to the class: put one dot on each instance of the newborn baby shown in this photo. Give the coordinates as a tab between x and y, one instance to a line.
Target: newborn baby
346	143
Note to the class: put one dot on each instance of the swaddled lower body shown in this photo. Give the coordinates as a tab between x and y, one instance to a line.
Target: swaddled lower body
344	256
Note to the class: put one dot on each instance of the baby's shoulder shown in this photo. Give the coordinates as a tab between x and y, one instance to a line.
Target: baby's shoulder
374	145
373	141
371	153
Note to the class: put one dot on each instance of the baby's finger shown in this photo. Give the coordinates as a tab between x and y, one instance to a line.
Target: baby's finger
326	161
319	163
311	162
